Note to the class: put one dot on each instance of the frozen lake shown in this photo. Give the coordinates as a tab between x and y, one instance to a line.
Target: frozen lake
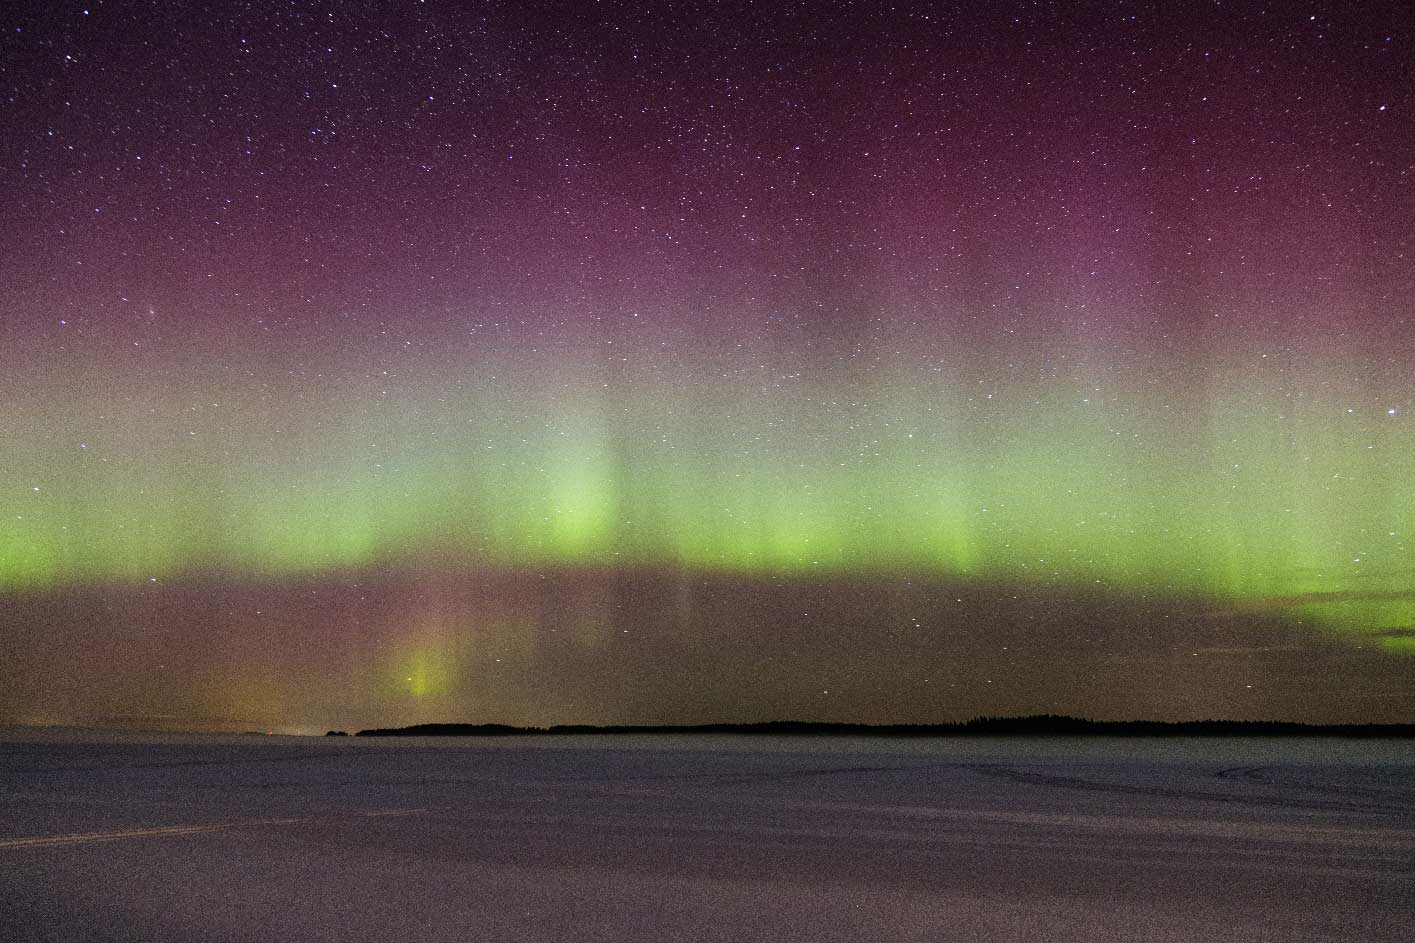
166	838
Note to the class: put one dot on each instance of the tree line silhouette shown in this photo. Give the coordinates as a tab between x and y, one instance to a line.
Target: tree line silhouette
1037	725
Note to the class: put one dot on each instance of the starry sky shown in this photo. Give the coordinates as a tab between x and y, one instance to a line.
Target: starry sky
370	364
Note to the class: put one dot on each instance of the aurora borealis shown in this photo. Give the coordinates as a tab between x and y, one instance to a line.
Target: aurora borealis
640	363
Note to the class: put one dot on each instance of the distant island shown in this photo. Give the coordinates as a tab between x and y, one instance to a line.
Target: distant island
1041	725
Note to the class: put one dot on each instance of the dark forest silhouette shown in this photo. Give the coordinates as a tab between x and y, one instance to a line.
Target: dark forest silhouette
1040	725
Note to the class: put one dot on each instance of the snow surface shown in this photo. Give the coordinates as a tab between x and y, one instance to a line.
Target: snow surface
169	838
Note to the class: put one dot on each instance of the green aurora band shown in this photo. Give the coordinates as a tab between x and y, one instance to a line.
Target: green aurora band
1263	477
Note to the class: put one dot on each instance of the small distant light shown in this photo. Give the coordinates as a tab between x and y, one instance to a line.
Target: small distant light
1390	412
1382	108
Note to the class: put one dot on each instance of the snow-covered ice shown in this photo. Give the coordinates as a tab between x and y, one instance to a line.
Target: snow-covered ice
168	838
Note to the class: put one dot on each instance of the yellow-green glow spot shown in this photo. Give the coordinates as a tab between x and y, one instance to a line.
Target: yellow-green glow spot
427	669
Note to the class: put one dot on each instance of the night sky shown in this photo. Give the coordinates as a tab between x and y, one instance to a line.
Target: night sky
370	364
